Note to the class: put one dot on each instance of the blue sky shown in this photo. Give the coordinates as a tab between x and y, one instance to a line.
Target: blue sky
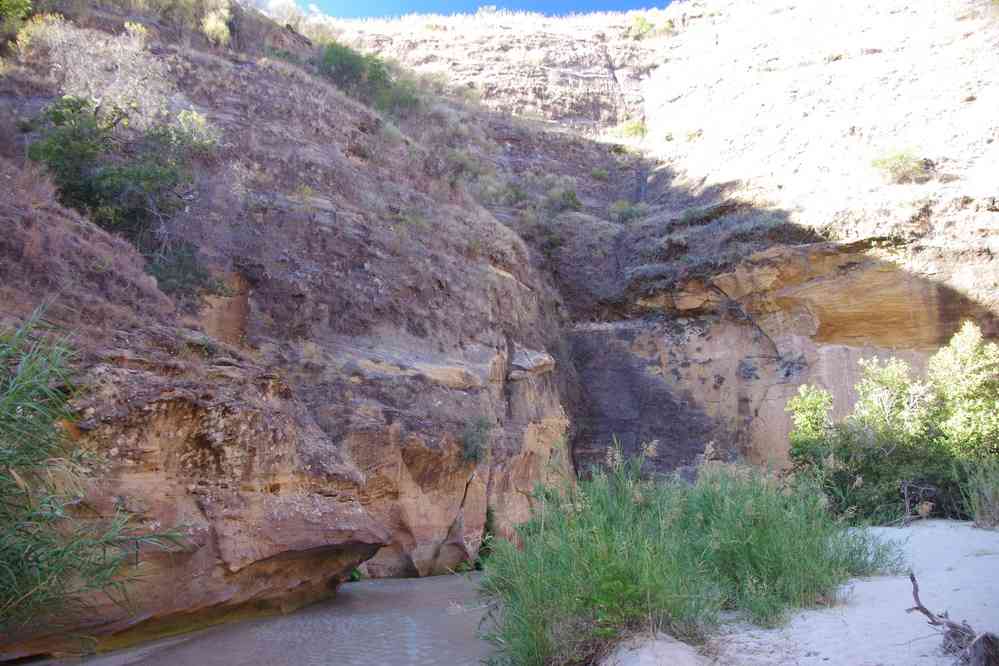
359	8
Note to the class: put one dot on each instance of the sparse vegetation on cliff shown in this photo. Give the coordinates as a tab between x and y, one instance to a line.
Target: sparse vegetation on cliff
215	23
14	9
12	12
633	129
127	182
643	28
616	553
626	211
370	79
903	449
560	199
51	559
475	440
904	167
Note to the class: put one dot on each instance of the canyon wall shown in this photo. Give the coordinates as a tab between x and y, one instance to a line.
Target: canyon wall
414	322
812	196
379	362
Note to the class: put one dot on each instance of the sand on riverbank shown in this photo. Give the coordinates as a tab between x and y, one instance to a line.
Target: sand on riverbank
957	566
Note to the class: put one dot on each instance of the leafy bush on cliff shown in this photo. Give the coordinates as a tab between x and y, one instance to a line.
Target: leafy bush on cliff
616	553
14	9
369	78
904	167
624	211
561	199
215	23
124	183
12	13
51	560
904	446
345	66
127	182
965	376
475	439
633	129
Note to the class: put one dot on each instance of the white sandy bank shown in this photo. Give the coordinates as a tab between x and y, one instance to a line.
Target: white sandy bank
957	567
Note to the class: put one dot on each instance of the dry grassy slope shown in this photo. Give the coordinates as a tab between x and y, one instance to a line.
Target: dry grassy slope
799	107
764	122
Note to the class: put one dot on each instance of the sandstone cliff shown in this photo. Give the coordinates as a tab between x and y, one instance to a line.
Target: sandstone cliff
776	246
310	415
390	288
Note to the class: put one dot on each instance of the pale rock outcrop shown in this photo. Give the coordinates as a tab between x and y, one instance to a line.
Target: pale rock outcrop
661	650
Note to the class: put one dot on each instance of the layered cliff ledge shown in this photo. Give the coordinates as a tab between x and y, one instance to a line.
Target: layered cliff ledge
810	197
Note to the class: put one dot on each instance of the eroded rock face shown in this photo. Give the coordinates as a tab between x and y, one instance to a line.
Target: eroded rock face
310	416
722	356
696	320
584	71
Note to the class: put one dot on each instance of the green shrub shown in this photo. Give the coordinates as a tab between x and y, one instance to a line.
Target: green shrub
640	27
965	375
635	129
345	66
179	271
50	560
614	553
215	22
906	441
83	151
127	181
488	537
506	194
625	211
981	492
193	134
904	167
475	440
370	79
14	9
12	15
398	98
561	199
73	138
600	174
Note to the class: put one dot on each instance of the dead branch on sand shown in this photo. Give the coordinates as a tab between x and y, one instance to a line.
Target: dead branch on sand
961	640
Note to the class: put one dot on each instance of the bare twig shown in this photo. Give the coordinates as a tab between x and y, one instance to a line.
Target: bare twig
937	620
959	639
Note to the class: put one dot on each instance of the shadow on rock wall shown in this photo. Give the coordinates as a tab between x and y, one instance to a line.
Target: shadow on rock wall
695	321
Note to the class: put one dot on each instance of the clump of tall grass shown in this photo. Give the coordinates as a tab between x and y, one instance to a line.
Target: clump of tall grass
616	553
51	561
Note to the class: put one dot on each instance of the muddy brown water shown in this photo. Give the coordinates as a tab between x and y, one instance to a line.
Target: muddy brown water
408	622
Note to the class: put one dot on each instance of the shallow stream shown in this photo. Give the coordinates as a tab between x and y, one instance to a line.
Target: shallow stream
402	622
